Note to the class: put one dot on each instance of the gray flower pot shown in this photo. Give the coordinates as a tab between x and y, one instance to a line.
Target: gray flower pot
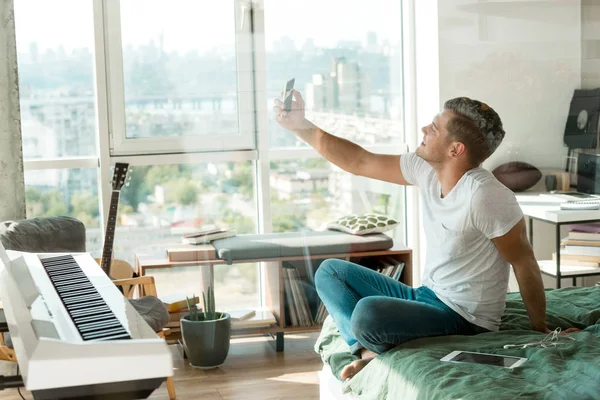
206	343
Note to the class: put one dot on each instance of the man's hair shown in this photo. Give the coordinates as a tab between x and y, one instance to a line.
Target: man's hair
476	125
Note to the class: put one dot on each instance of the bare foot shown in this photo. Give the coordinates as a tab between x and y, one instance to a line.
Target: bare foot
357	365
354	368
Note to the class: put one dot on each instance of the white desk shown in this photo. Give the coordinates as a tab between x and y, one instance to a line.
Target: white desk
547	209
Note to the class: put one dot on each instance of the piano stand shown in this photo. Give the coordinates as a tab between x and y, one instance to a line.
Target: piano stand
3	323
11	382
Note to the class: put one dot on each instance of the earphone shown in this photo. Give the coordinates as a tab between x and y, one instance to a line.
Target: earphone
551	339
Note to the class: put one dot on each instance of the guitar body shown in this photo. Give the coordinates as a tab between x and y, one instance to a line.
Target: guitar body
119	269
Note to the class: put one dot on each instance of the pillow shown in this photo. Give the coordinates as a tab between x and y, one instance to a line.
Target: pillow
363	224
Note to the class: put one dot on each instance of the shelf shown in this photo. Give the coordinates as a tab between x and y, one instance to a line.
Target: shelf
548	267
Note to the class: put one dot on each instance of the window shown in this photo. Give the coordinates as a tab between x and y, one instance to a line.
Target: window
56	78
162	202
309	193
182	91
349	73
72	192
183	85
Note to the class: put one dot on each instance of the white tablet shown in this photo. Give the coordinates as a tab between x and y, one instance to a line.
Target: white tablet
484	358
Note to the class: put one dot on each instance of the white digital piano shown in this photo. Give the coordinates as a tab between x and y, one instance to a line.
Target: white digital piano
74	334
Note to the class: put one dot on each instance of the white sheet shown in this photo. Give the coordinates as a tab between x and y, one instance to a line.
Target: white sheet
330	388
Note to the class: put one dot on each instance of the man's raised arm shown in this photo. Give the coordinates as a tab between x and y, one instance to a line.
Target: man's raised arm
345	154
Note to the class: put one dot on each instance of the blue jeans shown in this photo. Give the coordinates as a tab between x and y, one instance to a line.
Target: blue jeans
376	312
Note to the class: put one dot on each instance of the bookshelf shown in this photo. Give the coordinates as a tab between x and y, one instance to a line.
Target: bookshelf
277	299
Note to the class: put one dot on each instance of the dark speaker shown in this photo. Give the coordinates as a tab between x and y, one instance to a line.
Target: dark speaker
581	129
588	173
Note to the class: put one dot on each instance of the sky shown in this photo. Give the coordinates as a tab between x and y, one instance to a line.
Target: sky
202	24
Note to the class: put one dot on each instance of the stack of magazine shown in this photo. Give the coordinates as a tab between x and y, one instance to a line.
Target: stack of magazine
391	267
207	236
302	304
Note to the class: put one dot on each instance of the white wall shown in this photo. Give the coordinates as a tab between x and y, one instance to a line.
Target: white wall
523	59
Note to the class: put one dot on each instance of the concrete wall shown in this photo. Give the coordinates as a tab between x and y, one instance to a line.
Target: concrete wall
12	189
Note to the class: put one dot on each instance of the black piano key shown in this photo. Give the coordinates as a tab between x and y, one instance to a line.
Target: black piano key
65	274
101	333
82	298
74	287
89	312
93	318
86	306
61	271
72	282
80	292
91	326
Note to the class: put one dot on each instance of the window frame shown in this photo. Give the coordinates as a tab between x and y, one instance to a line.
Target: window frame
121	145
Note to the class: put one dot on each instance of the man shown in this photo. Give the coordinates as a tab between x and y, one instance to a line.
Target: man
473	225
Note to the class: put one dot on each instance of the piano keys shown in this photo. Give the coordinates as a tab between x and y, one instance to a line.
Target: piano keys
74	333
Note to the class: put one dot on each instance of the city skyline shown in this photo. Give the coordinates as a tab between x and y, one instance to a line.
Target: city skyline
70	23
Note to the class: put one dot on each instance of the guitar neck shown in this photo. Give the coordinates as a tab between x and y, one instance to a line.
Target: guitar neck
109	237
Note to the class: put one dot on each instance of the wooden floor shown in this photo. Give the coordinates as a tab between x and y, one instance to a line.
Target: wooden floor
253	370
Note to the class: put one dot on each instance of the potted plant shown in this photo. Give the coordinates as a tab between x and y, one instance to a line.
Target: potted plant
206	335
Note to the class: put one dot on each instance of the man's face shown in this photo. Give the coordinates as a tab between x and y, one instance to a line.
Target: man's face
435	145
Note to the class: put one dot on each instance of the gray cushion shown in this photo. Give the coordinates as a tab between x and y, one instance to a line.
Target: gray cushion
152	310
294	244
44	235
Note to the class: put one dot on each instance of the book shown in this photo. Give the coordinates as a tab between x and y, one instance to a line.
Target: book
192	252
571	242
579	235
241	314
208	238
203	233
570	258
589	228
262	318
581	250
567	268
177	302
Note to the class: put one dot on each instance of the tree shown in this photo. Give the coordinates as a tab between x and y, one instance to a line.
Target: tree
186	192
241	180
54	203
84	207
137	191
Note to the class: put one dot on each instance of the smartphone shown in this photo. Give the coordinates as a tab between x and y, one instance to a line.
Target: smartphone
288	94
484	358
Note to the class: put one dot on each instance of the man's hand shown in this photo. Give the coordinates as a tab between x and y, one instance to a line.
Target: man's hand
295	119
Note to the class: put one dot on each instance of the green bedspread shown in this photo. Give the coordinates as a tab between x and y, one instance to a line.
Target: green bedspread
568	371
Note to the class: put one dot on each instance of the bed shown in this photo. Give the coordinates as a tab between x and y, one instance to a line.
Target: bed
413	370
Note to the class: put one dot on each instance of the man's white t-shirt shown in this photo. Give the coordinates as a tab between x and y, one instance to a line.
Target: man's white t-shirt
462	266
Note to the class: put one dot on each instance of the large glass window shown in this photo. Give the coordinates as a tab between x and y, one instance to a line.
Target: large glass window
180	77
55	42
162	202
70	192
179	68
310	193
349	73
184	86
